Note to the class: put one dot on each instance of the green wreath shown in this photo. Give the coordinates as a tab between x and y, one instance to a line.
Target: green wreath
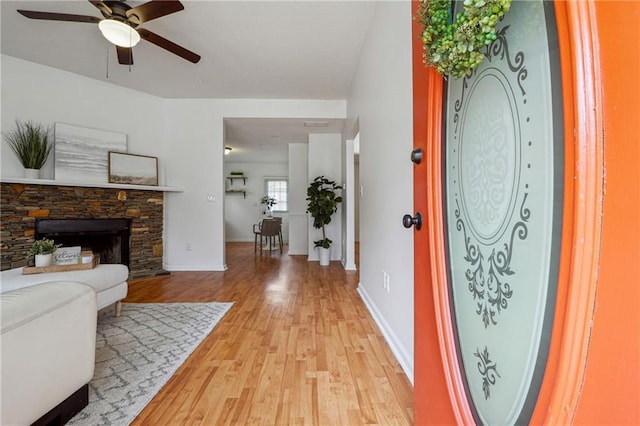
454	48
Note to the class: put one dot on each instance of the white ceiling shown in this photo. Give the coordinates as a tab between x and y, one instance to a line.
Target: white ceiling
250	49
268	139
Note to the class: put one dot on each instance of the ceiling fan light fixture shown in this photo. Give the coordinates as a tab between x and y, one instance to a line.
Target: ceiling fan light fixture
119	33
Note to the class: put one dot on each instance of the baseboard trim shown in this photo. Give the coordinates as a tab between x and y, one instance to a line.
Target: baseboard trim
178	268
404	358
349	267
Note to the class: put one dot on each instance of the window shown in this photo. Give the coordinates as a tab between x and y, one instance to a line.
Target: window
277	188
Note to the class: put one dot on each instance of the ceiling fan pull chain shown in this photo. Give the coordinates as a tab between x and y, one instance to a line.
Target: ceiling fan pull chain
107	71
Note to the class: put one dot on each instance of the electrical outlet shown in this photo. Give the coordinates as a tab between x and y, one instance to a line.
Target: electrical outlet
385	280
188	247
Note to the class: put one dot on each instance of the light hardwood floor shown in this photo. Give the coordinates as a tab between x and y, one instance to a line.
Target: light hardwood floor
297	347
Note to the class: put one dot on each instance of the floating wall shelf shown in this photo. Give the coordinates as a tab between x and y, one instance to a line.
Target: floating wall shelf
237	191
240	189
244	179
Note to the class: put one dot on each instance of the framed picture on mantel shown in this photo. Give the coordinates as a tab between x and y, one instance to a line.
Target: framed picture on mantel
81	152
133	169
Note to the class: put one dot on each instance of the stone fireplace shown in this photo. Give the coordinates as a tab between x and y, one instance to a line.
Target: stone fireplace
31	211
109	238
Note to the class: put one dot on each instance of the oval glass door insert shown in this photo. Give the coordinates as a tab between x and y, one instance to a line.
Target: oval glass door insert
503	182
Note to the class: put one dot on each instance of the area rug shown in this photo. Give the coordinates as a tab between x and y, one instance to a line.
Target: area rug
138	352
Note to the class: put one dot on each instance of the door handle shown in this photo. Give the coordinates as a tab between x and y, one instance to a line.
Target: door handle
408	221
416	155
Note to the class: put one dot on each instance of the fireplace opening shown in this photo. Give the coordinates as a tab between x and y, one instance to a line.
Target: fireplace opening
110	238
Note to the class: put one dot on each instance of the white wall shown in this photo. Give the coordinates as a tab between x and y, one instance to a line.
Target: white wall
195	148
348	208
381	100
186	134
356	200
46	95
241	213
298	175
325	160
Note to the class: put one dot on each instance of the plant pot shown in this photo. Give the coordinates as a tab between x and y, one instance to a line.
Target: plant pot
44	259
32	173
325	256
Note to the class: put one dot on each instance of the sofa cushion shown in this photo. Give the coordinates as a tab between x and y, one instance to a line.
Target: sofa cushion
22	306
47	347
102	277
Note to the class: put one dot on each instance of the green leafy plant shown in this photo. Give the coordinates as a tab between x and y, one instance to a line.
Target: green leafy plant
30	143
269	201
322	203
453	48
43	246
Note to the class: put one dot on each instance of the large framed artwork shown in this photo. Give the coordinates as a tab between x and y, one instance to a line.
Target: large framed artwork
81	153
133	169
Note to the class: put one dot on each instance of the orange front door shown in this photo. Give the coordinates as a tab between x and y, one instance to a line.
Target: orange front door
592	373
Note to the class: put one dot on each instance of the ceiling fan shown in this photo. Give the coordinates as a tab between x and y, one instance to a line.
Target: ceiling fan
120	25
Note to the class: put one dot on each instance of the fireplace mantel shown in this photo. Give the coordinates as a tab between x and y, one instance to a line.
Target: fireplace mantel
88	184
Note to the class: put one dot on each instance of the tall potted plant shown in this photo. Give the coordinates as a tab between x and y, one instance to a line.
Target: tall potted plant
323	202
30	143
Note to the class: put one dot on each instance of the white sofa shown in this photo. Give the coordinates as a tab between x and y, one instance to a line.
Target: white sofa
108	280
47	344
47	339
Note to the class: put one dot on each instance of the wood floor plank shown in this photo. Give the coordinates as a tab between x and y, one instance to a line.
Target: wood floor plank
297	347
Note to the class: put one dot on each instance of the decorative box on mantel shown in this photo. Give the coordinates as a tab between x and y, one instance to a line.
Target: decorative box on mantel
25	200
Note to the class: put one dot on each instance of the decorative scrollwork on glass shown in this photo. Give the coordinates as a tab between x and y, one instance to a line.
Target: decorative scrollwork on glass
488	273
459	102
487	281
487	169
500	47
488	370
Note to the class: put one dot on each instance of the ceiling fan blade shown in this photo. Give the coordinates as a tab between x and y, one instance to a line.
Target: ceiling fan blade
50	16
152	10
168	45
102	7
125	55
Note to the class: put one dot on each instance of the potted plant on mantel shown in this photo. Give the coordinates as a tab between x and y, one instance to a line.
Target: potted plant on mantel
30	143
43	250
322	204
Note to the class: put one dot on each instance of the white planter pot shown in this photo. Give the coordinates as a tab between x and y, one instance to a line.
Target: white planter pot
32	173
325	256
44	259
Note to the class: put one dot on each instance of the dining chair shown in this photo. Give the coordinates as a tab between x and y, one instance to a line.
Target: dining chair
270	229
279	220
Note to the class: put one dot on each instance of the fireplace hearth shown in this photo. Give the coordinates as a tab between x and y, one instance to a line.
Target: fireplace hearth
110	238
